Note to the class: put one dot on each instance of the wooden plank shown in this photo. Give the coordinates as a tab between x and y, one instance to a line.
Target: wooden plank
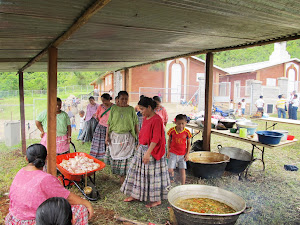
208	100
94	8
22	112
51	110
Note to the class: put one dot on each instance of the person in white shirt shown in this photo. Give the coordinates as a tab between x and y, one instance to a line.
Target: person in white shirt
231	105
243	106
260	103
81	123
290	103
295	104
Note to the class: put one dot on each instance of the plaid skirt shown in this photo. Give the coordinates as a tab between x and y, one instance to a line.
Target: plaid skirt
62	144
119	167
147	182
80	214
88	130
98	143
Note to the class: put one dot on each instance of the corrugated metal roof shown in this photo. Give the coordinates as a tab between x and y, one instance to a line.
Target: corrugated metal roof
126	33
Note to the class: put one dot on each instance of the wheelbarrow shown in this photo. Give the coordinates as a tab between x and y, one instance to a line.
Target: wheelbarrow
78	179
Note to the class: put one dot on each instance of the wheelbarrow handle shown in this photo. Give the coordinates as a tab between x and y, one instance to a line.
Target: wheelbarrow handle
73	146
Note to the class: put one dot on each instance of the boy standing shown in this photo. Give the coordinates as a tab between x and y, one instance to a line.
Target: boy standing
179	145
81	123
243	106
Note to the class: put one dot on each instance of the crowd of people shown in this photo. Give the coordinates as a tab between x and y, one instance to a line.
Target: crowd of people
131	140
282	105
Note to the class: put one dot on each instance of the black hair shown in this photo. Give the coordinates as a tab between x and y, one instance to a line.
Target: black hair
142	96
181	117
122	93
58	99
117	97
145	101
106	96
243	99
295	95
91	97
54	211
156	98
279	96
36	154
261	96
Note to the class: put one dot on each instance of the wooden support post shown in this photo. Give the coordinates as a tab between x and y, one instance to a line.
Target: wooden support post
51	110
126	75
22	112
208	100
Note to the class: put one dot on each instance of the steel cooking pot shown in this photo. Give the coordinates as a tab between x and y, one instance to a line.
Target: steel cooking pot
208	164
185	217
239	158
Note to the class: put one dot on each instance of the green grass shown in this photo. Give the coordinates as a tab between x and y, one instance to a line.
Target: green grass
273	194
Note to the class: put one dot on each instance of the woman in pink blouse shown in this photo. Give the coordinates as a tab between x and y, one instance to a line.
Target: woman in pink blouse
160	110
98	143
90	123
32	186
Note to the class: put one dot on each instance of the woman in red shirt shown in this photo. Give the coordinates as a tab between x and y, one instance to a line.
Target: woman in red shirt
148	178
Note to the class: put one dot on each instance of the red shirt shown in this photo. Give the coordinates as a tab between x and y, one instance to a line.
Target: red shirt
178	142
153	131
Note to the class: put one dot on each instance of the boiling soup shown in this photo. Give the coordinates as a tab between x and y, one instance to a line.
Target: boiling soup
204	205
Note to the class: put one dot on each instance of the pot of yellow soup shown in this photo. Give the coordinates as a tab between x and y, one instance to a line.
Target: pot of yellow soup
202	204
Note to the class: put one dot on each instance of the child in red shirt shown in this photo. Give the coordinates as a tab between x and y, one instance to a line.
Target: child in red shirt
179	145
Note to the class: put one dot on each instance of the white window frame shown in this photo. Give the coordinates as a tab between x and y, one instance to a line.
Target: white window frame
248	87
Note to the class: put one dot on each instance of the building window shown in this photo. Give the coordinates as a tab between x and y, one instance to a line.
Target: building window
248	87
271	82
106	81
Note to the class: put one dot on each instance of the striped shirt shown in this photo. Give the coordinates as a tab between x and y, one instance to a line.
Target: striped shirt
281	103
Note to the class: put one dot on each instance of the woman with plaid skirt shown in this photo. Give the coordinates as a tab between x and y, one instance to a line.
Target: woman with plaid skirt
121	133
148	177
98	143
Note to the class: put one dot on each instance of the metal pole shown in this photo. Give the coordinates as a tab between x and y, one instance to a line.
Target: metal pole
22	112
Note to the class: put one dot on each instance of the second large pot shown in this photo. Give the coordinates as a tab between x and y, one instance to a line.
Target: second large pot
239	158
208	164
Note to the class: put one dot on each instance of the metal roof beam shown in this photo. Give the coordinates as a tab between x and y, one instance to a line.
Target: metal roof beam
85	16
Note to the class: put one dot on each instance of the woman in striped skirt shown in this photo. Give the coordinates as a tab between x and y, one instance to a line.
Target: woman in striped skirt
148	177
98	146
122	130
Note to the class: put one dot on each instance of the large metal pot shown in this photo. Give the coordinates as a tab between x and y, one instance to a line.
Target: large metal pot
239	158
185	217
208	164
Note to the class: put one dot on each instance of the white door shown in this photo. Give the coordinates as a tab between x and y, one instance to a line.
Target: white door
292	84
176	83
237	89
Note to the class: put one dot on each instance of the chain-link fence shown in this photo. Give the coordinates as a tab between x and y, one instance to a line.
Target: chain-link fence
36	93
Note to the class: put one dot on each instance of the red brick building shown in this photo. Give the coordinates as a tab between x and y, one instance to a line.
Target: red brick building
172	80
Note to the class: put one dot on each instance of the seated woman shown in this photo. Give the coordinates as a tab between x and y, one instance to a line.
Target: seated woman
148	178
32	186
54	211
98	146
122	130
